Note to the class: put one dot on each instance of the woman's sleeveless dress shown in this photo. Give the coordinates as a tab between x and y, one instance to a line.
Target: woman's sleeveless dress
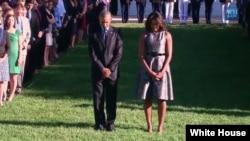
147	88
14	51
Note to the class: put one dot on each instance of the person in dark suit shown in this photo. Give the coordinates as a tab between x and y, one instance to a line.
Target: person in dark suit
93	15
114	7
36	34
39	8
195	5
240	7
247	7
156	5
140	7
208	10
105	50
125	4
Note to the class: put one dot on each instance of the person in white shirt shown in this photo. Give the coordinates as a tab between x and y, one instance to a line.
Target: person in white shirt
23	24
183	10
169	10
224	5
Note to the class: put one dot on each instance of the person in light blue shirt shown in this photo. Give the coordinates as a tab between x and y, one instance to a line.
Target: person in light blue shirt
59	12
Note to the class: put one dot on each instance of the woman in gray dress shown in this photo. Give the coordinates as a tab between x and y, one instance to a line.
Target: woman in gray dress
4	63
154	80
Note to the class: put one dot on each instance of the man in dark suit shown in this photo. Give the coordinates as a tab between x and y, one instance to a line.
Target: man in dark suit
105	50
125	4
208	10
247	12
93	15
140	8
36	34
156	5
241	12
195	6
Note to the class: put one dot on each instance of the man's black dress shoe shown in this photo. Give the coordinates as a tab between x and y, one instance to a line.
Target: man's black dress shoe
99	127
110	127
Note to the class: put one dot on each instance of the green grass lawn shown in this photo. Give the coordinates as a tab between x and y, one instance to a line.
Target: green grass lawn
210	72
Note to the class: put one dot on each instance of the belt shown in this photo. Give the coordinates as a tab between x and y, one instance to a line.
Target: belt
154	54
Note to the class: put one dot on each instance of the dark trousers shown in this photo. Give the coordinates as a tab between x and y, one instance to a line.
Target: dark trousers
125	12
113	7
163	9
248	18
196	11
156	7
32	60
63	40
104	90
208	10
140	7
241	17
41	48
189	9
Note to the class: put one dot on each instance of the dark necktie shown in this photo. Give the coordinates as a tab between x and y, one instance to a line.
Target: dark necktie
105	35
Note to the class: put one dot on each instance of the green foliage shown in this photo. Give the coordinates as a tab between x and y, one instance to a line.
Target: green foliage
211	86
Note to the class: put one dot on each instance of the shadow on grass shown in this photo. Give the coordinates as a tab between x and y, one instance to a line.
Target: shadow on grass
63	124
209	69
46	124
210	111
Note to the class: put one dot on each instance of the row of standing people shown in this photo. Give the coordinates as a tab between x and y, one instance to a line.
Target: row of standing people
166	7
184	7
42	28
15	39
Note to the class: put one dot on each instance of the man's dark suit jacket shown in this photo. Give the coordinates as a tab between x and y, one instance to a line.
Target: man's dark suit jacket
106	54
34	25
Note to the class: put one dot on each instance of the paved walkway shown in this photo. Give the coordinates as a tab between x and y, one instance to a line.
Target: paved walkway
216	14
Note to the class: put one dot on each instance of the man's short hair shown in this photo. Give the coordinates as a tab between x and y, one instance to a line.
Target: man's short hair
104	13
